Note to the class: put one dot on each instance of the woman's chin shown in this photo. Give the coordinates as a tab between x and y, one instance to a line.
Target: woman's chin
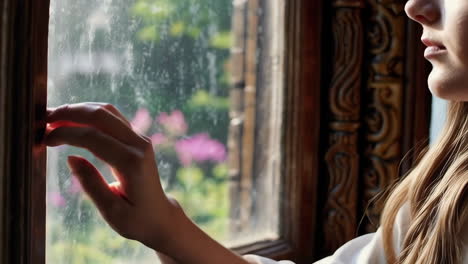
444	87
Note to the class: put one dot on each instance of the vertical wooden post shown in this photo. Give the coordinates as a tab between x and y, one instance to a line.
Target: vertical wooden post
23	89
342	153
241	142
236	113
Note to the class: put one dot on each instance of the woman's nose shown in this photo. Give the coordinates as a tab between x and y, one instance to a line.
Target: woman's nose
425	12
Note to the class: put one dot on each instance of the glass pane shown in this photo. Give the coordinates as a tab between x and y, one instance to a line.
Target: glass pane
167	65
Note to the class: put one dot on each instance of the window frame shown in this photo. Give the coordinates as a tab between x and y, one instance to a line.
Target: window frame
23	90
301	138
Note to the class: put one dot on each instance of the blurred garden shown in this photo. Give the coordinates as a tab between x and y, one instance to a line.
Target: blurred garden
165	65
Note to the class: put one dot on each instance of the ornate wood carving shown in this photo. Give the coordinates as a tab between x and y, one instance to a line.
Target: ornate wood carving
384	101
341	158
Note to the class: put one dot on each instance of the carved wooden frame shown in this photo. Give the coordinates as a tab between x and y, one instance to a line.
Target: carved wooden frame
379	108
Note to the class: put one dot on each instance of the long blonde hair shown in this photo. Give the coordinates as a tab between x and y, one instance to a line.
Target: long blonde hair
436	190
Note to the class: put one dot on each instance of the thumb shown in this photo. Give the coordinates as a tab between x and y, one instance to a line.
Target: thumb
93	183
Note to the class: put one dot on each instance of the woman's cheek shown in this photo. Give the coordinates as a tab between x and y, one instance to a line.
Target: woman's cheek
459	33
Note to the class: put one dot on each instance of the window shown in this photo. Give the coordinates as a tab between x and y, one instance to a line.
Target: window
23	86
168	66
438	113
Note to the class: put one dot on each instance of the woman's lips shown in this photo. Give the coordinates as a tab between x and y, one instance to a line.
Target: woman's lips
434	48
433	51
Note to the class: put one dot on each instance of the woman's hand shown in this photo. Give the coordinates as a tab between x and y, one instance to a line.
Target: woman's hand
135	205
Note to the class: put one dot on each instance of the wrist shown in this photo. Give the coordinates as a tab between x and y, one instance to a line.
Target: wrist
184	242
161	237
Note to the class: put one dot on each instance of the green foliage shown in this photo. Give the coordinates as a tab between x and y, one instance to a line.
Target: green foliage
205	200
183	17
148	33
97	244
220	171
152	11
222	40
190	178
64	252
202	99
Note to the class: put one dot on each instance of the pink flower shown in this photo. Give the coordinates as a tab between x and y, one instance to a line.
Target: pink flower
158	139
200	148
56	199
173	123
141	122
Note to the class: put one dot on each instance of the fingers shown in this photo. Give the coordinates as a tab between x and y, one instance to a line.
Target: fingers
96	187
107	106
117	189
120	156
113	110
99	116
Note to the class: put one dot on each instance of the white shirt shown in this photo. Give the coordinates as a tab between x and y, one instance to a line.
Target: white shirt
365	249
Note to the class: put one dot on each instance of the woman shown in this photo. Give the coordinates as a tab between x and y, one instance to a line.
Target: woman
423	220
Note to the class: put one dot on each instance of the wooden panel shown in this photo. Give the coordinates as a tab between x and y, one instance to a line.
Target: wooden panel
303	124
342	157
4	148
379	109
37	179
383	119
